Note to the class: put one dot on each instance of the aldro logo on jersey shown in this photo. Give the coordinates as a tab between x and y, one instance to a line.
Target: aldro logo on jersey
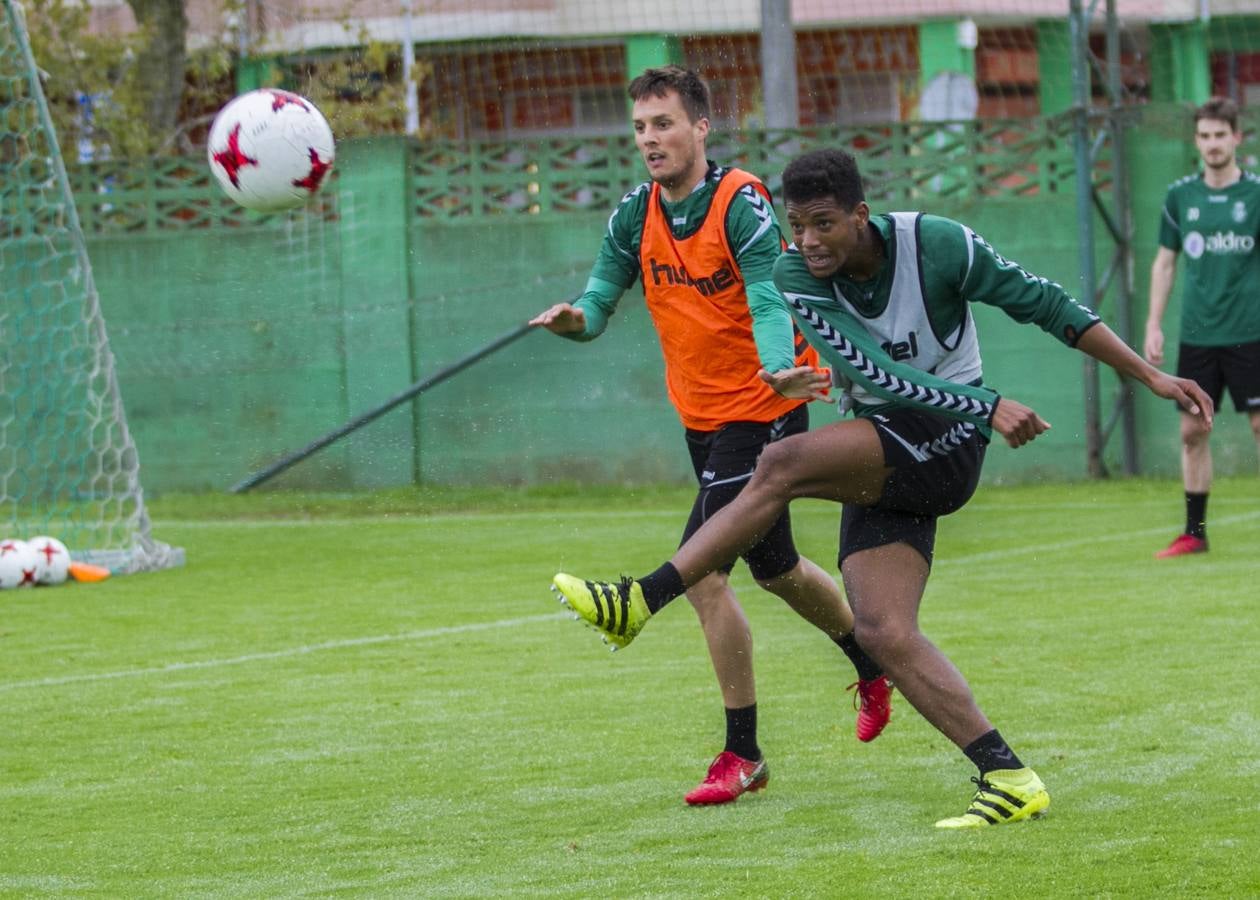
1218	243
664	273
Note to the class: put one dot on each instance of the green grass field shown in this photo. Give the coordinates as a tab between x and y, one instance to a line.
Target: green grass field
377	696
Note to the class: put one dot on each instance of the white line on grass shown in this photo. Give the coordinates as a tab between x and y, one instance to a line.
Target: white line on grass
421	635
1035	548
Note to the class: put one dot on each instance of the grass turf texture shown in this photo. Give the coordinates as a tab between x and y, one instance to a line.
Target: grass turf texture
377	696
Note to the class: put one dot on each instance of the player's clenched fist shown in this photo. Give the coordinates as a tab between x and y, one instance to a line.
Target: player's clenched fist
1016	422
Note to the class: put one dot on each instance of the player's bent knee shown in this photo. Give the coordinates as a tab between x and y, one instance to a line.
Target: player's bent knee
1193	432
775	563
881	638
777	470
780	576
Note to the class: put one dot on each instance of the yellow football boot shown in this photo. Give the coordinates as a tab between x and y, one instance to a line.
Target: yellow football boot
1003	796
617	611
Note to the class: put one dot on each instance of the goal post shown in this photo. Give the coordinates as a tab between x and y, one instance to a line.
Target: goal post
68	465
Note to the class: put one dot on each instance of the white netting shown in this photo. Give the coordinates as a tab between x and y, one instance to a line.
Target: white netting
68	466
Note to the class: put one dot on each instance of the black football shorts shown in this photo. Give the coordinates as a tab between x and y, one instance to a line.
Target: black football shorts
936	465
724	461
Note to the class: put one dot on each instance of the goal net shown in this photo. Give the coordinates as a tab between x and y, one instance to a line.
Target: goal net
68	465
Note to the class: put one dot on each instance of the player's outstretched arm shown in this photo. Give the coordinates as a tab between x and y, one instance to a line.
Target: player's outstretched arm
562	318
585	318
1105	346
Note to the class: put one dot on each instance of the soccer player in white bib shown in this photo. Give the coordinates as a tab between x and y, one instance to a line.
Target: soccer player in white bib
1212	218
885	300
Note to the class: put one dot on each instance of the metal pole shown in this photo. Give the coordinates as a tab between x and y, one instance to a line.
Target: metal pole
412	124
1078	27
375	413
1124	240
778	65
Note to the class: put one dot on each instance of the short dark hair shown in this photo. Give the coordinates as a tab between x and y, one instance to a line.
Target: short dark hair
689	86
824	173
1222	109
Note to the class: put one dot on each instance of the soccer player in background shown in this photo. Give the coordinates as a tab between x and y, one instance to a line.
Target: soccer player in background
704	239
1214	218
885	299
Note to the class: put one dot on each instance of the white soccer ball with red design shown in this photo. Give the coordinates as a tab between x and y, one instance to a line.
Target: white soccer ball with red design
52	560
17	564
270	149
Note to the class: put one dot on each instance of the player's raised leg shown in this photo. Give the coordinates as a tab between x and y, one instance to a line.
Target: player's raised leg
842	461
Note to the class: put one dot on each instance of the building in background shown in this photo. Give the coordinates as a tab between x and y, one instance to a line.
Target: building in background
509	68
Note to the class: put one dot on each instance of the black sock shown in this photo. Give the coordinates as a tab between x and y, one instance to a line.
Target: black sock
662	586
1196	515
867	668
990	752
741	732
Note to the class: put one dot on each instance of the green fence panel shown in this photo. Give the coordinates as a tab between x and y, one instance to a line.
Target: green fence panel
376	296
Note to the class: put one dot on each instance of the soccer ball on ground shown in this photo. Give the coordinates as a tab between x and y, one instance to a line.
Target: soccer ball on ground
52	560
270	150
17	564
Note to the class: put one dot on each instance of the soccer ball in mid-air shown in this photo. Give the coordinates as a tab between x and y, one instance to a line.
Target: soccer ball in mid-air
52	559
270	149
17	564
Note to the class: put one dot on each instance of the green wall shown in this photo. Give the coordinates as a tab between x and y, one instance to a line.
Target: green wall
238	344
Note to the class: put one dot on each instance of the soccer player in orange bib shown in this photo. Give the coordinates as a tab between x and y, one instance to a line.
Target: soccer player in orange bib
704	239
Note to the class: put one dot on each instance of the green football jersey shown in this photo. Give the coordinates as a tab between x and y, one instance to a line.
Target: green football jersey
1215	230
751	229
906	337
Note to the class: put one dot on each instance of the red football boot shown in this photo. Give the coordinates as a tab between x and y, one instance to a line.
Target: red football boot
873	701
728	777
1184	545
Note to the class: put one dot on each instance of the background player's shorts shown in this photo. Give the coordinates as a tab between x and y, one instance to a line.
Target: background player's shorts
724	461
1236	366
936	463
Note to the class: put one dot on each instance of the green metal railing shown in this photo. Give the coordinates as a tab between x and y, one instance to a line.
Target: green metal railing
162	194
470	180
449	180
903	160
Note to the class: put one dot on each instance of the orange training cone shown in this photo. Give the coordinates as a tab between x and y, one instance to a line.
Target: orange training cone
81	571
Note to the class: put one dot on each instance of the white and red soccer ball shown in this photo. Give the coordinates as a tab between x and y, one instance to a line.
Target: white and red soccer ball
18	564
270	149
52	559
